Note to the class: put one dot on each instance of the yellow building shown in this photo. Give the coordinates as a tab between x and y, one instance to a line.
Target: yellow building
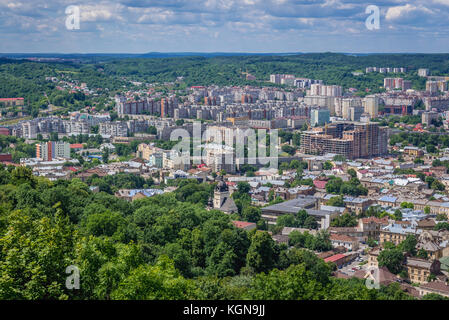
395	238
145	151
396	232
372	257
419	270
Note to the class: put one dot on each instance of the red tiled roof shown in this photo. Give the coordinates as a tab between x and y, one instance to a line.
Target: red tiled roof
242	224
384	220
436	286
319	184
11	164
335	258
10	99
341	237
76	146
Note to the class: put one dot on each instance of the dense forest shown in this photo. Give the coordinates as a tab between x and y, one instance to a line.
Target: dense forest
27	79
332	68
163	247
23	78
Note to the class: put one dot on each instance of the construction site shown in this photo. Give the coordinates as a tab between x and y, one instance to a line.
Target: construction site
350	139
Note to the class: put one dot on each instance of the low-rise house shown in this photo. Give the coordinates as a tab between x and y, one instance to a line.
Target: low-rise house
435	243
437	287
248	226
340	240
437	207
281	193
341	210
413	151
419	270
320	185
373	254
388	201
134	194
371	227
381	276
339	259
293	193
307	203
438	171
357	205
347	231
287	230
397	232
280	238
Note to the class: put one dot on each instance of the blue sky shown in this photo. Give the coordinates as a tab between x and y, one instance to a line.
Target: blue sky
127	26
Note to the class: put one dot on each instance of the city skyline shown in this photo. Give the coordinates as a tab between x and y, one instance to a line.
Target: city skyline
253	26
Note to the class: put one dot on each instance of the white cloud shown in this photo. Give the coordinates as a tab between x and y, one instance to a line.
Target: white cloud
407	11
399	11
101	12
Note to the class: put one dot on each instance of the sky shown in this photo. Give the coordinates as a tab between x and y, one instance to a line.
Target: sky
140	26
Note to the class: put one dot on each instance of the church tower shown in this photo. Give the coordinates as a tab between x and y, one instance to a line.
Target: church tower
221	192
222	200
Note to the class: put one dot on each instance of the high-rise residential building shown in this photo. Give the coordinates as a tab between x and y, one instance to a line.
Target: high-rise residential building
428	117
406	85
149	106
397	83
355	113
12	102
282	79
328	91
389	83
442	85
52	150
351	140
432	86
347	104
372	106
275	78
115	129
331	91
288	81
315	89
423	72
320	101
319	117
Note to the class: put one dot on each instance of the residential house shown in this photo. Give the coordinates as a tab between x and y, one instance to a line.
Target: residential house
370	227
419	270
134	194
339	240
388	201
373	254
248	226
436	287
397	232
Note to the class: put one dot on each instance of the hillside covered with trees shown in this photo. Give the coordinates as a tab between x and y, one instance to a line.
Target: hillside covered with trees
152	248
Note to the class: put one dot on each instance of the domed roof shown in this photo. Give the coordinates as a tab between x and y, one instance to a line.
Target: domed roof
221	186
